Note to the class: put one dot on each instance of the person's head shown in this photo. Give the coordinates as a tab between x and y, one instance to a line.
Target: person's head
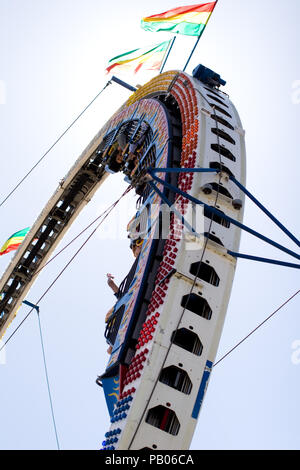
116	152
136	246
119	155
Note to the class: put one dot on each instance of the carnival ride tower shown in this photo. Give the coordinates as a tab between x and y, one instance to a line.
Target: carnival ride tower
165	329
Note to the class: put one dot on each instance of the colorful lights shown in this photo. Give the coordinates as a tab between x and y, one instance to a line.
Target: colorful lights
180	86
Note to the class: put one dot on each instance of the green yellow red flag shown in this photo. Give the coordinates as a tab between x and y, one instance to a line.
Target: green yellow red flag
189	20
14	241
148	58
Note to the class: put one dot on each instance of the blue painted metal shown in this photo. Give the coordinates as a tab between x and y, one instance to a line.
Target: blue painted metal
213	210
202	389
207	76
150	122
180	216
192	52
36	307
122	83
116	130
122	340
268	213
263	260
151	144
168	53
235	181
111	387
183	170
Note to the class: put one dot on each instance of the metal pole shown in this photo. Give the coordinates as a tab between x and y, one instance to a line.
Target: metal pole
271	216
213	210
198	39
183	170
263	260
122	83
176	212
166	58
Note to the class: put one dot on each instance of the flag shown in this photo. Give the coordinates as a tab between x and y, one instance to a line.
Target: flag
190	20
14	241
150	58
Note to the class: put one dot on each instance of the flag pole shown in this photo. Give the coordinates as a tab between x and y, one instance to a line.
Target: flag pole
196	43
198	39
166	58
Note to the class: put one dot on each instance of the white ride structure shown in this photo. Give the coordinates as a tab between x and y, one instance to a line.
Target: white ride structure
166	327
163	388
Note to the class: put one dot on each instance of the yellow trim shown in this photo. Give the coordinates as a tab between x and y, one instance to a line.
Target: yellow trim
196	17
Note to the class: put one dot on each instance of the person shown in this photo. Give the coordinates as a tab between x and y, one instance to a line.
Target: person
136	247
116	154
135	148
111	283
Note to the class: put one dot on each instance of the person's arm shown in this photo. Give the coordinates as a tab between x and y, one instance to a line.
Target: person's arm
107	316
111	283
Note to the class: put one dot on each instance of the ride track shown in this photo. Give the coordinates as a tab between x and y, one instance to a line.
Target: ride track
166	329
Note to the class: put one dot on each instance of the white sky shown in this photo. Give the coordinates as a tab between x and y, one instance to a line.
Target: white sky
52	61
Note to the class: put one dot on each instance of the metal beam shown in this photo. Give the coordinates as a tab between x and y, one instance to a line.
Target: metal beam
215	211
268	213
263	260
